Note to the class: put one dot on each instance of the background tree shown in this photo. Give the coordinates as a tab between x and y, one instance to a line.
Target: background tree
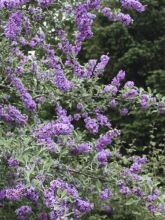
138	49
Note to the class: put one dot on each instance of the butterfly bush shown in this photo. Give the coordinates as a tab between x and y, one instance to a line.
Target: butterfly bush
61	151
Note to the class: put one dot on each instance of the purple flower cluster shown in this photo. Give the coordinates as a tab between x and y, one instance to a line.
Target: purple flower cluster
110	89
113	103
133	4
10	4
45	3
23	212
36	13
103	120
20	192
161	108
80	106
152	208
104	59
13	26
130	175
84	21
60	79
130	94
76	117
52	200
106	139
138	192
125	190
107	12
2	194
91	125
60	184
35	41
82	148
86	71
12	162
93	4
83	206
105	194
145	101
123	18
155	194
129	84
24	94
102	157
31	194
137	165
115	83
11	114
62	126
16	193
66	46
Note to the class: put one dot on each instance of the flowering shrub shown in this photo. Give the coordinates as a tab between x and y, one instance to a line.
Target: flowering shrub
60	152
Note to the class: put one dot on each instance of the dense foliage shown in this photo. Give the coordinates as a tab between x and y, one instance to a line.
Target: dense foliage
62	153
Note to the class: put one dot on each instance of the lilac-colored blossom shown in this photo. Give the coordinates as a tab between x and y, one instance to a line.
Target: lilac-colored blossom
104	59
76	117
82	148
11	114
106	139
105	194
12	162
45	3
110	89
83	206
32	194
152	208
124	18
13	26
23	212
91	125
24	94
125	190
108	13
133	4
138	192
102	157
10	4
2	194
16	193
